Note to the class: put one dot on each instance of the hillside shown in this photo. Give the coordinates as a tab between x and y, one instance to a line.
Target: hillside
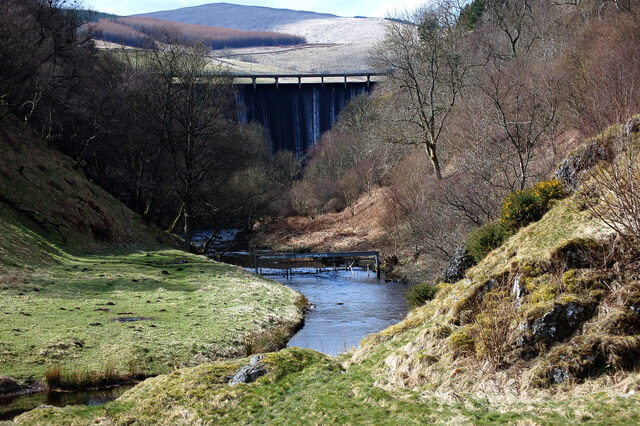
333	41
540	331
337	30
248	18
49	208
89	290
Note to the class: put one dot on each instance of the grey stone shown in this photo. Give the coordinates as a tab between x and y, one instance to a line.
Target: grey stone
558	375
632	127
518	290
561	322
249	373
573	167
458	265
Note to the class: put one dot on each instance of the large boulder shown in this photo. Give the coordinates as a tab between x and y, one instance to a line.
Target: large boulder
249	373
458	265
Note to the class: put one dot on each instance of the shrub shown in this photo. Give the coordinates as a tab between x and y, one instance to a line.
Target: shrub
461	343
493	328
520	208
549	191
485	239
420	294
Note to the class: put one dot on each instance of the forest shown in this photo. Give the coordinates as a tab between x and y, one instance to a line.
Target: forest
151	130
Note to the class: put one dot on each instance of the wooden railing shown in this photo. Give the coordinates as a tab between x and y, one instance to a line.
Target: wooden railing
288	261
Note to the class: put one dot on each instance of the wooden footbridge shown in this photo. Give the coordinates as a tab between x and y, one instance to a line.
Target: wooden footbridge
319	261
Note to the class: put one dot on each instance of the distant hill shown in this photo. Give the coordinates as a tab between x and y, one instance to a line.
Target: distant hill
247	18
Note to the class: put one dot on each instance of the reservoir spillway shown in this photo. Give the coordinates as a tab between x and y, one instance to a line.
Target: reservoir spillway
296	115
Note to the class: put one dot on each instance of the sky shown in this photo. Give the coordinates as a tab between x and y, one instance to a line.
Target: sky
372	8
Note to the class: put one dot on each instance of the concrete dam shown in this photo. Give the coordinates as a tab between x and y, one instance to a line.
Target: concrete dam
296	109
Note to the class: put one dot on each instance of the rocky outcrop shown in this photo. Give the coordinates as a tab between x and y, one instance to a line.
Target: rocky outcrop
561	322
573	167
249	373
604	148
458	265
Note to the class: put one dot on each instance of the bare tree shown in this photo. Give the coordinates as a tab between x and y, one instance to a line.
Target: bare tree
525	114
194	120
424	52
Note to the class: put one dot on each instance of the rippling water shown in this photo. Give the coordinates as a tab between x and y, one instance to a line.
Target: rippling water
348	307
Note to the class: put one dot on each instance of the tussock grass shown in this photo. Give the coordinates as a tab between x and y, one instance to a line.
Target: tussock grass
59	377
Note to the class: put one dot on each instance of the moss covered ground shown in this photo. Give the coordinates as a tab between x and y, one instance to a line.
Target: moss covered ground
193	310
304	387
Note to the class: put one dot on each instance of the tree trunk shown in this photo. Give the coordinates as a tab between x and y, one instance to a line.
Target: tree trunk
175	221
435	162
187	229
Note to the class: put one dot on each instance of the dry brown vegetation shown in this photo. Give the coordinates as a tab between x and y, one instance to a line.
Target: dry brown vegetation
449	138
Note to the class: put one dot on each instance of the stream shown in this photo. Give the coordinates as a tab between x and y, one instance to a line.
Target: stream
348	307
12	407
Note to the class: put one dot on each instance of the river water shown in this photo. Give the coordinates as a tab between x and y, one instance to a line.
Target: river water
11	407
348	307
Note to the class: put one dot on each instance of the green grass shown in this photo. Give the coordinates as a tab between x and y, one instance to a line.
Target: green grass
304	387
65	313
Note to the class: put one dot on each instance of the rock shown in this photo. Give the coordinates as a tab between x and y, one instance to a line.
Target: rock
249	373
561	322
458	265
8	385
573	167
518	290
558	375
632	127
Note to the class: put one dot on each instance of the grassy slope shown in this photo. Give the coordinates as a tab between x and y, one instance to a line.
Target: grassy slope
71	256
408	373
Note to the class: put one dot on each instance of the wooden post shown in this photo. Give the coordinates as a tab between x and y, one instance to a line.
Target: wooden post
378	272
368	80
299	82
256	260
345	81
322	80
253	79
277	83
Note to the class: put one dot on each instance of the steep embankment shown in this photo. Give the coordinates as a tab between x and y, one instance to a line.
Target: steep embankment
86	285
360	227
541	331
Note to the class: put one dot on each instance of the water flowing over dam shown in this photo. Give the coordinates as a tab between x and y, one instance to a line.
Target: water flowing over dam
296	114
